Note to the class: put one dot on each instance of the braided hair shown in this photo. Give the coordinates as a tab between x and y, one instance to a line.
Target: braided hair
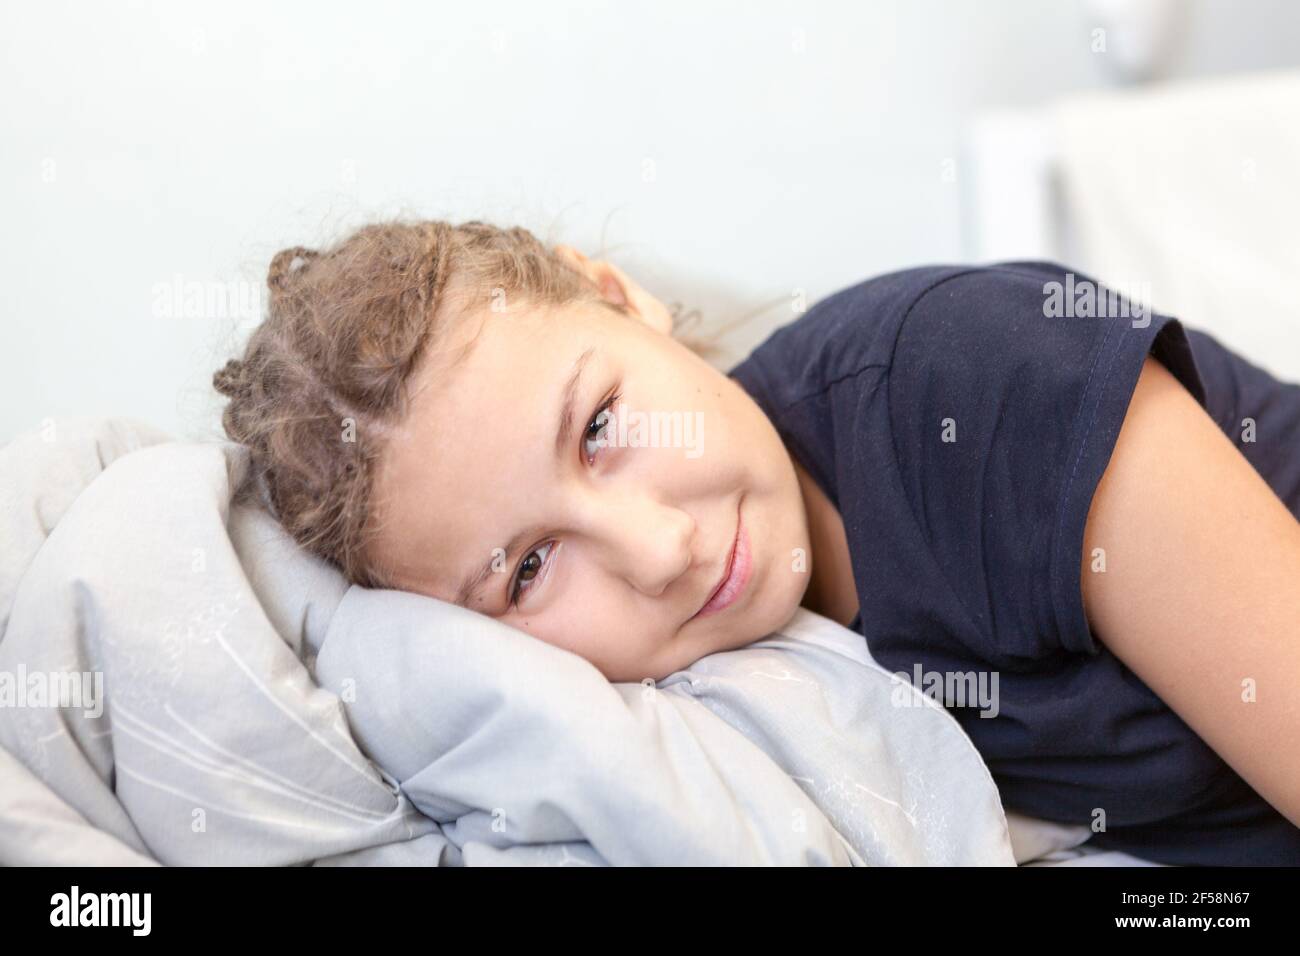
324	378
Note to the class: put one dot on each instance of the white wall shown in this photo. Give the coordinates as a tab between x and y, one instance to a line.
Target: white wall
794	146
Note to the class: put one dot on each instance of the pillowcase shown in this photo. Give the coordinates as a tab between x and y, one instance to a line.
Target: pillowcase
796	749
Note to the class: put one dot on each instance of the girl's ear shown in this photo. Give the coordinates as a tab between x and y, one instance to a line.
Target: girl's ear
619	289
573	257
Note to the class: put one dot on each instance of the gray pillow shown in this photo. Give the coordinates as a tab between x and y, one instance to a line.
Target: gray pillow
797	749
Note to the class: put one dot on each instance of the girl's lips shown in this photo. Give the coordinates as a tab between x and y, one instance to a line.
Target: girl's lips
738	573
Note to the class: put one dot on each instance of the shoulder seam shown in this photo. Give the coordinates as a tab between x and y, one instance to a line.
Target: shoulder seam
869	365
821	390
921	295
898	461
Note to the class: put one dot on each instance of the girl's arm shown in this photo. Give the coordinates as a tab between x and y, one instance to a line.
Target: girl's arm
1200	596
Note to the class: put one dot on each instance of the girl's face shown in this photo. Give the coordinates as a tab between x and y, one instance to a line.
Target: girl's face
590	532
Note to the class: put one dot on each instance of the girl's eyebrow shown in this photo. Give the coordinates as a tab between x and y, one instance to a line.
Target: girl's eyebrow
473	581
569	403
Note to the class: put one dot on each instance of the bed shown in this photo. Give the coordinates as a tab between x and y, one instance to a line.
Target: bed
238	702
1182	194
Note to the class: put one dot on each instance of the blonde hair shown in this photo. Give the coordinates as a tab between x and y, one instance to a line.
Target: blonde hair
325	374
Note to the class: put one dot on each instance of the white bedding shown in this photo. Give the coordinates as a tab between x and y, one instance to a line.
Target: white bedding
251	698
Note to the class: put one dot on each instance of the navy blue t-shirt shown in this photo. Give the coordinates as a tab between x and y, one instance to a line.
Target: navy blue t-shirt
960	419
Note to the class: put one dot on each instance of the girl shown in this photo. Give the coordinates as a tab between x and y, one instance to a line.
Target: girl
1101	510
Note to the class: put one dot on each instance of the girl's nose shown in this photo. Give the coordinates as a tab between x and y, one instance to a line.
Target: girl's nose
649	543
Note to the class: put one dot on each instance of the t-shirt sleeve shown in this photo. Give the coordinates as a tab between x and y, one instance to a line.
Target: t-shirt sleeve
1007	388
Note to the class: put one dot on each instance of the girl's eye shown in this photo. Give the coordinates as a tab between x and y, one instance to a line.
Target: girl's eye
528	571
598	423
528	568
